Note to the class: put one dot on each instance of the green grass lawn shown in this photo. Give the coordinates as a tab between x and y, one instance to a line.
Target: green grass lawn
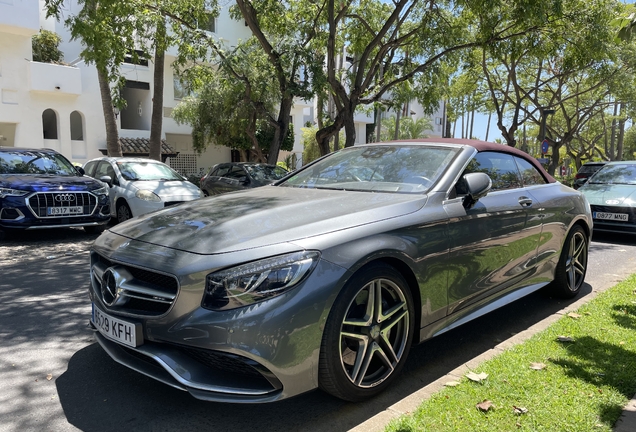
555	385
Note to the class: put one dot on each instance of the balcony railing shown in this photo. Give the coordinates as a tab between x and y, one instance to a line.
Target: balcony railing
54	78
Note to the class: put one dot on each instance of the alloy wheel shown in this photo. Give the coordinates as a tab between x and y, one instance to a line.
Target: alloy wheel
576	261
374	333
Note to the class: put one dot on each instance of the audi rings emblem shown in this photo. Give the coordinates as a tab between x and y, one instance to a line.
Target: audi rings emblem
109	288
64	197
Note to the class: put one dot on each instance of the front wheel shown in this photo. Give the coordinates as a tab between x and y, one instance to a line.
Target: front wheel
123	212
570	272
368	334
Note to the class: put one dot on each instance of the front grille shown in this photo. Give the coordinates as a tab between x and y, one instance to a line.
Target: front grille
143	292
61	204
225	362
631	211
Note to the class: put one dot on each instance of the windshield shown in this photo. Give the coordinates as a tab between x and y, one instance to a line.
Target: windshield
615	174
385	168
265	172
147	171
35	162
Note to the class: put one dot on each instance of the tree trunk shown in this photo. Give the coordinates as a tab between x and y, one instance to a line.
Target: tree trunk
280	133
112	136
472	116
621	135
396	133
156	119
378	124
350	131
488	125
554	158
612	155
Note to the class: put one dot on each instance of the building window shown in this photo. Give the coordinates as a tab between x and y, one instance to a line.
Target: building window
49	124
438	120
181	88
77	127
136	57
208	24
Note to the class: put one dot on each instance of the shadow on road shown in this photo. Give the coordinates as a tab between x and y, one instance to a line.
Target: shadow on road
600	238
98	394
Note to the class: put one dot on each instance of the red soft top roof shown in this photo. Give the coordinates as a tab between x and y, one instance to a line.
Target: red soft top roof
487	146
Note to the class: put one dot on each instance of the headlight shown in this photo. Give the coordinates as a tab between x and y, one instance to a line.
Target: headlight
11	192
256	281
101	191
146	195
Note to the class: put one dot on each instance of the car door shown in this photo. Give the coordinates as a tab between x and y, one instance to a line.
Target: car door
104	168
493	244
213	184
235	179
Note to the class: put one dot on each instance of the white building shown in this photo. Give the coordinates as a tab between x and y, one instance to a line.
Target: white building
59	107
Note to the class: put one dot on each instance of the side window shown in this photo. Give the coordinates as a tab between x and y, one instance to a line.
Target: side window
222	171
89	168
529	173
236	173
500	167
105	169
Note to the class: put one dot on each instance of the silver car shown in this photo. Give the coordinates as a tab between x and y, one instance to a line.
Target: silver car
139	185
328	277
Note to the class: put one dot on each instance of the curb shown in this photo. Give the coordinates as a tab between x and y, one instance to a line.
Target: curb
377	423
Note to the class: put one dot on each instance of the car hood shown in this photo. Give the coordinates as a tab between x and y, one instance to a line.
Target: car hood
612	195
44	183
168	188
263	216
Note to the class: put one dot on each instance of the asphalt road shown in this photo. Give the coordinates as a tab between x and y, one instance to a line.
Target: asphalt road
55	377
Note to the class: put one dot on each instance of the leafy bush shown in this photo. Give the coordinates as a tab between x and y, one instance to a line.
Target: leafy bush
45	47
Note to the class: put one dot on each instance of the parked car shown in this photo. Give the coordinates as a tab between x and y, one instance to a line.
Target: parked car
234	176
325	279
585	172
40	188
611	192
139	186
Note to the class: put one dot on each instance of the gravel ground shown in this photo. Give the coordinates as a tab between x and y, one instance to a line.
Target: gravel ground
44	244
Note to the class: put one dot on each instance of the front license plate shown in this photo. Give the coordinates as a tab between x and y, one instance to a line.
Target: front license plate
611	216
56	211
118	330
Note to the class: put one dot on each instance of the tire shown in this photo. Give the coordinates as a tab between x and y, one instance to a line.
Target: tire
123	212
363	350
205	193
95	229
570	271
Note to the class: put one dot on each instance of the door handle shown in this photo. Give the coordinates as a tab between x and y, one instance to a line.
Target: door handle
525	201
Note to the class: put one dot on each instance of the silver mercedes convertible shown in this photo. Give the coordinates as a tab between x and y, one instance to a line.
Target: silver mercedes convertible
326	278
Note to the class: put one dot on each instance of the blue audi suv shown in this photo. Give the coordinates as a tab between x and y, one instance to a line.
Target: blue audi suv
40	188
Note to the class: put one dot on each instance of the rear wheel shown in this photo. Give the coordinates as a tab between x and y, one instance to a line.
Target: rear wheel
368	334
123	212
570	272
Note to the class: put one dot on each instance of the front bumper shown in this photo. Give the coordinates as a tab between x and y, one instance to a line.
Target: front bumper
259	353
233	379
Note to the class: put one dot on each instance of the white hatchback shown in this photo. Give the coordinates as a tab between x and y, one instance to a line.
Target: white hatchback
139	185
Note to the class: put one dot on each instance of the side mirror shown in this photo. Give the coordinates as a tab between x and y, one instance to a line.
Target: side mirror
80	170
477	186
243	180
107	179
